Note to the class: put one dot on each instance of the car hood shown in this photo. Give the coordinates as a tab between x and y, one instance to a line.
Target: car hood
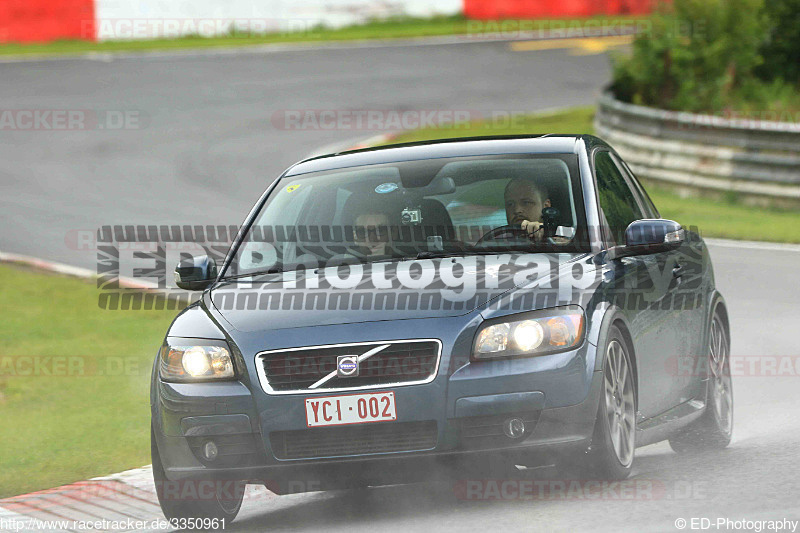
433	288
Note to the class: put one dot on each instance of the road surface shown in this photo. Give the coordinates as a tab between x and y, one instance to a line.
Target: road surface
202	143
756	478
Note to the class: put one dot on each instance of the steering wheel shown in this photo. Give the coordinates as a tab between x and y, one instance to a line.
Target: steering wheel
496	233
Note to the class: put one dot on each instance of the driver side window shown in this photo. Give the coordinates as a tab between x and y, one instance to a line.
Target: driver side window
618	204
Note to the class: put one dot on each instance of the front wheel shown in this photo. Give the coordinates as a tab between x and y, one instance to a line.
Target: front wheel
611	453
195	501
715	427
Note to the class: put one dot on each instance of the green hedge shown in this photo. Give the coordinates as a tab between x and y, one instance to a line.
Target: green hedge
713	55
781	50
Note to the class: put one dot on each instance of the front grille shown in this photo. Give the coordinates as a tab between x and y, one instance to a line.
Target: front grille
401	362
354	440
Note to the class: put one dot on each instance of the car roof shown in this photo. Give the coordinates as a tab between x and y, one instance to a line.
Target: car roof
441	148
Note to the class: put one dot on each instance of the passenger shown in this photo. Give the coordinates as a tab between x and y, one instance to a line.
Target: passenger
371	232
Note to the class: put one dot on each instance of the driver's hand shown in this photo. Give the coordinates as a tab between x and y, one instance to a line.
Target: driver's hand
533	229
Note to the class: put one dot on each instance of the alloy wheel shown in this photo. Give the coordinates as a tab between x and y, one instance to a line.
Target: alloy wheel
720	380
620	410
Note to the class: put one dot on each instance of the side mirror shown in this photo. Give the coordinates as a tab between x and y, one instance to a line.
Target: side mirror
649	236
195	273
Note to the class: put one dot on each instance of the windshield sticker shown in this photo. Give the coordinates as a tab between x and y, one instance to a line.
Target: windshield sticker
384	188
292	188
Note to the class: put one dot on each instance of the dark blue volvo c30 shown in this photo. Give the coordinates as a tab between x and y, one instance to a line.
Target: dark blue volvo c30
459	304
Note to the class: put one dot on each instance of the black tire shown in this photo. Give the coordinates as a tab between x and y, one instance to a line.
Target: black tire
225	505
714	429
604	459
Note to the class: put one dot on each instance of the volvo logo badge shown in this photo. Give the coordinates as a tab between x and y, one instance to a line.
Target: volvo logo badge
347	366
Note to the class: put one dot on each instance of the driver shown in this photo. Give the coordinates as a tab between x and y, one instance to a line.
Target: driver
524	203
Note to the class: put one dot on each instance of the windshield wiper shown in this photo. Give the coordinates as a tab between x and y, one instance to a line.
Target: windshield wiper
427	254
436	254
529	248
277	269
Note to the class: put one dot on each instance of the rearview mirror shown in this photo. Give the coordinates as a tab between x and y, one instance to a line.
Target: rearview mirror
195	273
649	236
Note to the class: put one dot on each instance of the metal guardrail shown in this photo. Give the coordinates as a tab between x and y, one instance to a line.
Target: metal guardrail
759	160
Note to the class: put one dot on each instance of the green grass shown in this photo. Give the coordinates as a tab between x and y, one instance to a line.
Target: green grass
59	429
396	28
575	120
714	218
728	219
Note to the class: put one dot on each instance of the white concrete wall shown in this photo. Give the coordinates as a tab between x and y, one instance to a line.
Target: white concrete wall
147	19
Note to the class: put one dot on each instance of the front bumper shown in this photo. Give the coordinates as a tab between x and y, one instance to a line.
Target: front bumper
188	415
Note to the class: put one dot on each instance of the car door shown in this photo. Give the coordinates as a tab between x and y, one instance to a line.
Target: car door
686	298
641	288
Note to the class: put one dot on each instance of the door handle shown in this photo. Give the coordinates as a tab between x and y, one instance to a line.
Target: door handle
678	271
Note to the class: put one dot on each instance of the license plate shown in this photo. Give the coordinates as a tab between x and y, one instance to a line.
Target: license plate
350	409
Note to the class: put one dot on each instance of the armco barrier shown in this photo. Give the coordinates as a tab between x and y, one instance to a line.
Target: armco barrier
757	160
24	21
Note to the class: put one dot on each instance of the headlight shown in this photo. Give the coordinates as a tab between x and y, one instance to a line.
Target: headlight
537	333
196	362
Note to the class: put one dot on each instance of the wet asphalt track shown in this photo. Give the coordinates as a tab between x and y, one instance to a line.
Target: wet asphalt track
756	478
208	149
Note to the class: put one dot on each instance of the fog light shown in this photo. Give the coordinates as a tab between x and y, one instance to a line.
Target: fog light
210	451
514	428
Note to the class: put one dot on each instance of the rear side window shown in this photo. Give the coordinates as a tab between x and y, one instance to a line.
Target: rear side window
644	198
618	204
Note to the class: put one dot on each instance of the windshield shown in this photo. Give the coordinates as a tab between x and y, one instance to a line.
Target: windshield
428	208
